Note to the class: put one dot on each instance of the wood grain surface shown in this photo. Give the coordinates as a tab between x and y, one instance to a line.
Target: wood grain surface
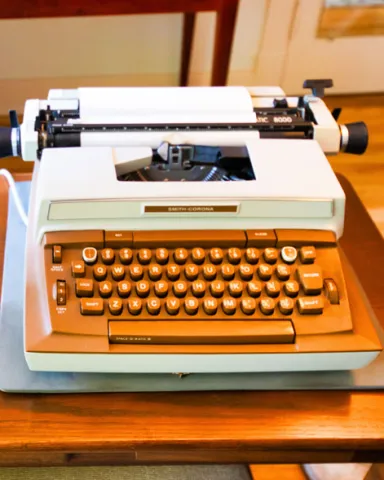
209	427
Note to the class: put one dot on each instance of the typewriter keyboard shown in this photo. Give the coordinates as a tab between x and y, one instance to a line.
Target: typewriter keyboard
171	287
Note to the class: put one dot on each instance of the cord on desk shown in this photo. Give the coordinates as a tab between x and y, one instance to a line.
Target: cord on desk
15	194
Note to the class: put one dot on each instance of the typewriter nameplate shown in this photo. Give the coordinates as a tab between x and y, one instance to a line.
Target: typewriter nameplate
191	209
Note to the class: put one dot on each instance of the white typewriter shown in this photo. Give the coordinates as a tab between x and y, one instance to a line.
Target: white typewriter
187	230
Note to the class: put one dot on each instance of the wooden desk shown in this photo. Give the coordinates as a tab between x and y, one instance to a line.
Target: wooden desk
219	427
226	14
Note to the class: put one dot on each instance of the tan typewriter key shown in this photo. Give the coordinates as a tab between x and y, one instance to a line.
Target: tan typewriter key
198	255
254	289
265	271
246	271
267	305
286	305
161	289
216	255
252	255
115	306
198	288
273	288
84	287
234	255
217	288
229	305
125	256
100	272
162	256
134	306
289	254
210	305
307	254
142	288
144	256
283	272
172	305
78	269
180	256
153	305
173	271
191	271
180	288
270	255
227	271
235	288
155	272
209	271
136	271
124	289
118	272
108	256
191	305
248	305
105	289
291	288
90	255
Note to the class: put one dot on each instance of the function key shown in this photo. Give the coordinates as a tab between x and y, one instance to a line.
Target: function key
265	271
84	287
94	306
78	269
229	305
120	238
311	279
272	288
105	289
115	306
191	305
134	306
180	256
267	305
261	238
108	256
270	255
216	255
283	272
180	288
291	288
153	305
286	305
144	256
56	254
173	271
89	255
246	271
210	305
161	289
198	288
289	254
252	255
307	254
234	255
142	288
254	289
198	255
118	272
162	256
227	271
209	272
235	288
248	305
124	289
191	271
136	272
100	272
217	288
125	256
172	305
155	272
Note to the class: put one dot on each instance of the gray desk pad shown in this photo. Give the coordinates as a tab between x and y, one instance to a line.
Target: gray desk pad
16	377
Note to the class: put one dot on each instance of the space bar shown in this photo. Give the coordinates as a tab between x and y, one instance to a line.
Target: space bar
201	332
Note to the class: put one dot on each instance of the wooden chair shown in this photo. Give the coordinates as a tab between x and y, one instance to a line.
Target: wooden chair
226	13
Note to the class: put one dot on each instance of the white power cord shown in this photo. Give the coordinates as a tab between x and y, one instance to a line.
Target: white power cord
15	194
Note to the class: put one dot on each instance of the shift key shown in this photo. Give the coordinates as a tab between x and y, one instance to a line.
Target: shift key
91	306
311	305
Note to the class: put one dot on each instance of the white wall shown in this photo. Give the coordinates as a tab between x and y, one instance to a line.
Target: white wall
38	54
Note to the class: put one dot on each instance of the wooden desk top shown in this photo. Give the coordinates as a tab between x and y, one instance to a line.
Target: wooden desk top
219	427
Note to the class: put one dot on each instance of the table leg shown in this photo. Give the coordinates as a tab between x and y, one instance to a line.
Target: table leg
225	27
188	28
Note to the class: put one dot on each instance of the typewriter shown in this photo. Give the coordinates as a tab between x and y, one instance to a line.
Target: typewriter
187	229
